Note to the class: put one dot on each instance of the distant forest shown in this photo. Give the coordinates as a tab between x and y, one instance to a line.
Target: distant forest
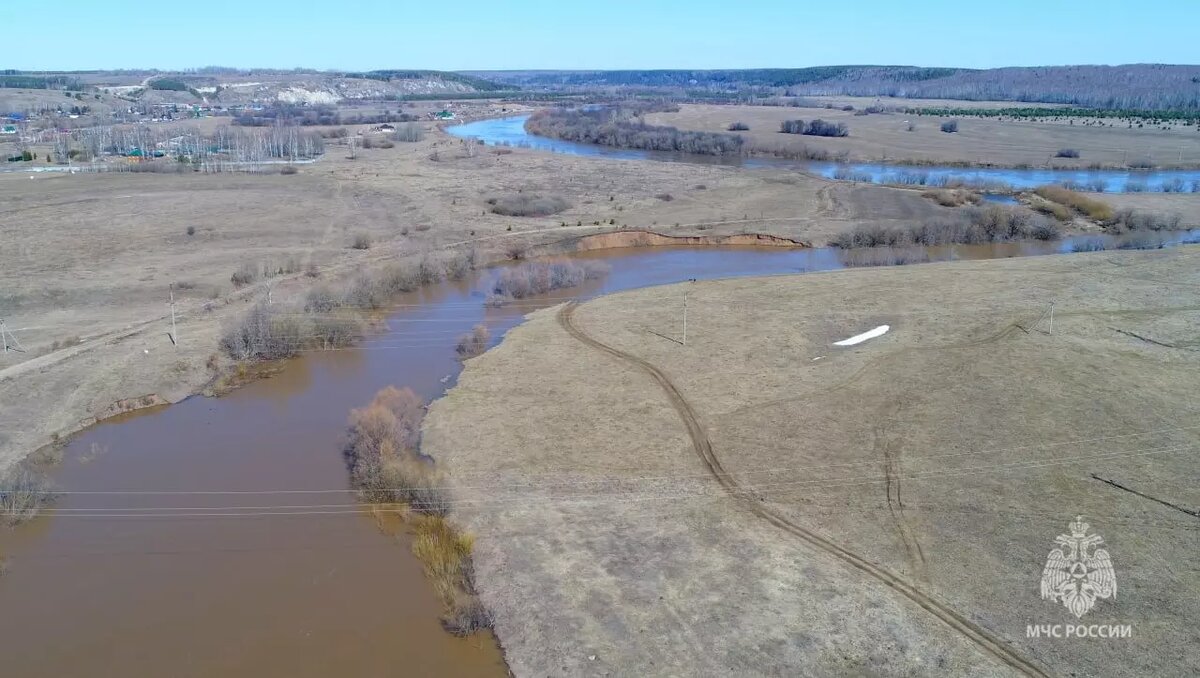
1157	87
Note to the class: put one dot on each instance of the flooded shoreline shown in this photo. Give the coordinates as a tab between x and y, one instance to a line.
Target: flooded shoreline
225	530
510	131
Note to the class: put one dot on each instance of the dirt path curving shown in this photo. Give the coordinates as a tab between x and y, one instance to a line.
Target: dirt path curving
984	640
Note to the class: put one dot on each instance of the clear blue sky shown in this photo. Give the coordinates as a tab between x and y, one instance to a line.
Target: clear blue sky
602	34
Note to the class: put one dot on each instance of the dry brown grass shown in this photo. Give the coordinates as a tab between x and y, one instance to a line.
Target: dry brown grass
1091	208
979	141
954	197
445	555
963	441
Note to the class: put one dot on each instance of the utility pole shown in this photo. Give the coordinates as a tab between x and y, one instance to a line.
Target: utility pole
685	318
6	335
174	334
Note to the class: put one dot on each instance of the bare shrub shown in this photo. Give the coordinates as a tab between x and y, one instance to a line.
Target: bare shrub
23	494
844	173
383	456
289	170
1067	153
665	197
1126	220
264	333
247	274
191	230
518	282
738	127
974	225
460	265
1093	244
884	256
1174	185
473	343
955	197
527	205
816	128
1136	187
408	132
950	126
362	241
430	270
1140	241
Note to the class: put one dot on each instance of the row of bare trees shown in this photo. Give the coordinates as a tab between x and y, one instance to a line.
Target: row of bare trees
224	148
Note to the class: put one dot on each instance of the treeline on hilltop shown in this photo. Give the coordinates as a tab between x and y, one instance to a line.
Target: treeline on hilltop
18	80
1157	87
622	127
1056	113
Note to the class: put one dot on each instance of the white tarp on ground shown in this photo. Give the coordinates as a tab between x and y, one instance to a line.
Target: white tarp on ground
860	338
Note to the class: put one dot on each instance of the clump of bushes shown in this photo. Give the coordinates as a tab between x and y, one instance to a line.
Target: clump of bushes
1067	153
245	275
23	494
816	128
884	256
1089	207
277	331
950	126
528	279
386	465
1126	220
473	343
527	205
975	225
738	126
851	174
382	453
953	197
362	241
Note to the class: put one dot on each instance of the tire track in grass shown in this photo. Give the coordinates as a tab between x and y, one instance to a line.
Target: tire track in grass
984	640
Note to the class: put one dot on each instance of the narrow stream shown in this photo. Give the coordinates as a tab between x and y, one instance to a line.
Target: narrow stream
511	131
282	574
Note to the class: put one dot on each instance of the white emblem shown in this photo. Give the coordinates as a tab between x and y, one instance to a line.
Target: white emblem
1076	577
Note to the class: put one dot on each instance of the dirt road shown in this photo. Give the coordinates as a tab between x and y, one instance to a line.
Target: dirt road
704	449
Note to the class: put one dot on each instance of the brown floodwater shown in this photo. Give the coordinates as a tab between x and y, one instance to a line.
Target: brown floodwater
218	536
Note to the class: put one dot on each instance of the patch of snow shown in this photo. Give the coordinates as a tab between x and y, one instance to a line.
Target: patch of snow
860	338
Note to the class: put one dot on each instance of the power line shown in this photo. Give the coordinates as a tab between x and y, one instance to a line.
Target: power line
590	481
825	485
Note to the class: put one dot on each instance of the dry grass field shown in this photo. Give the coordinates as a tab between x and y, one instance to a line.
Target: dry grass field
763	502
88	260
885	136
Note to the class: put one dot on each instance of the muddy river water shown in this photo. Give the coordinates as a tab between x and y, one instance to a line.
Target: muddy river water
218	536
